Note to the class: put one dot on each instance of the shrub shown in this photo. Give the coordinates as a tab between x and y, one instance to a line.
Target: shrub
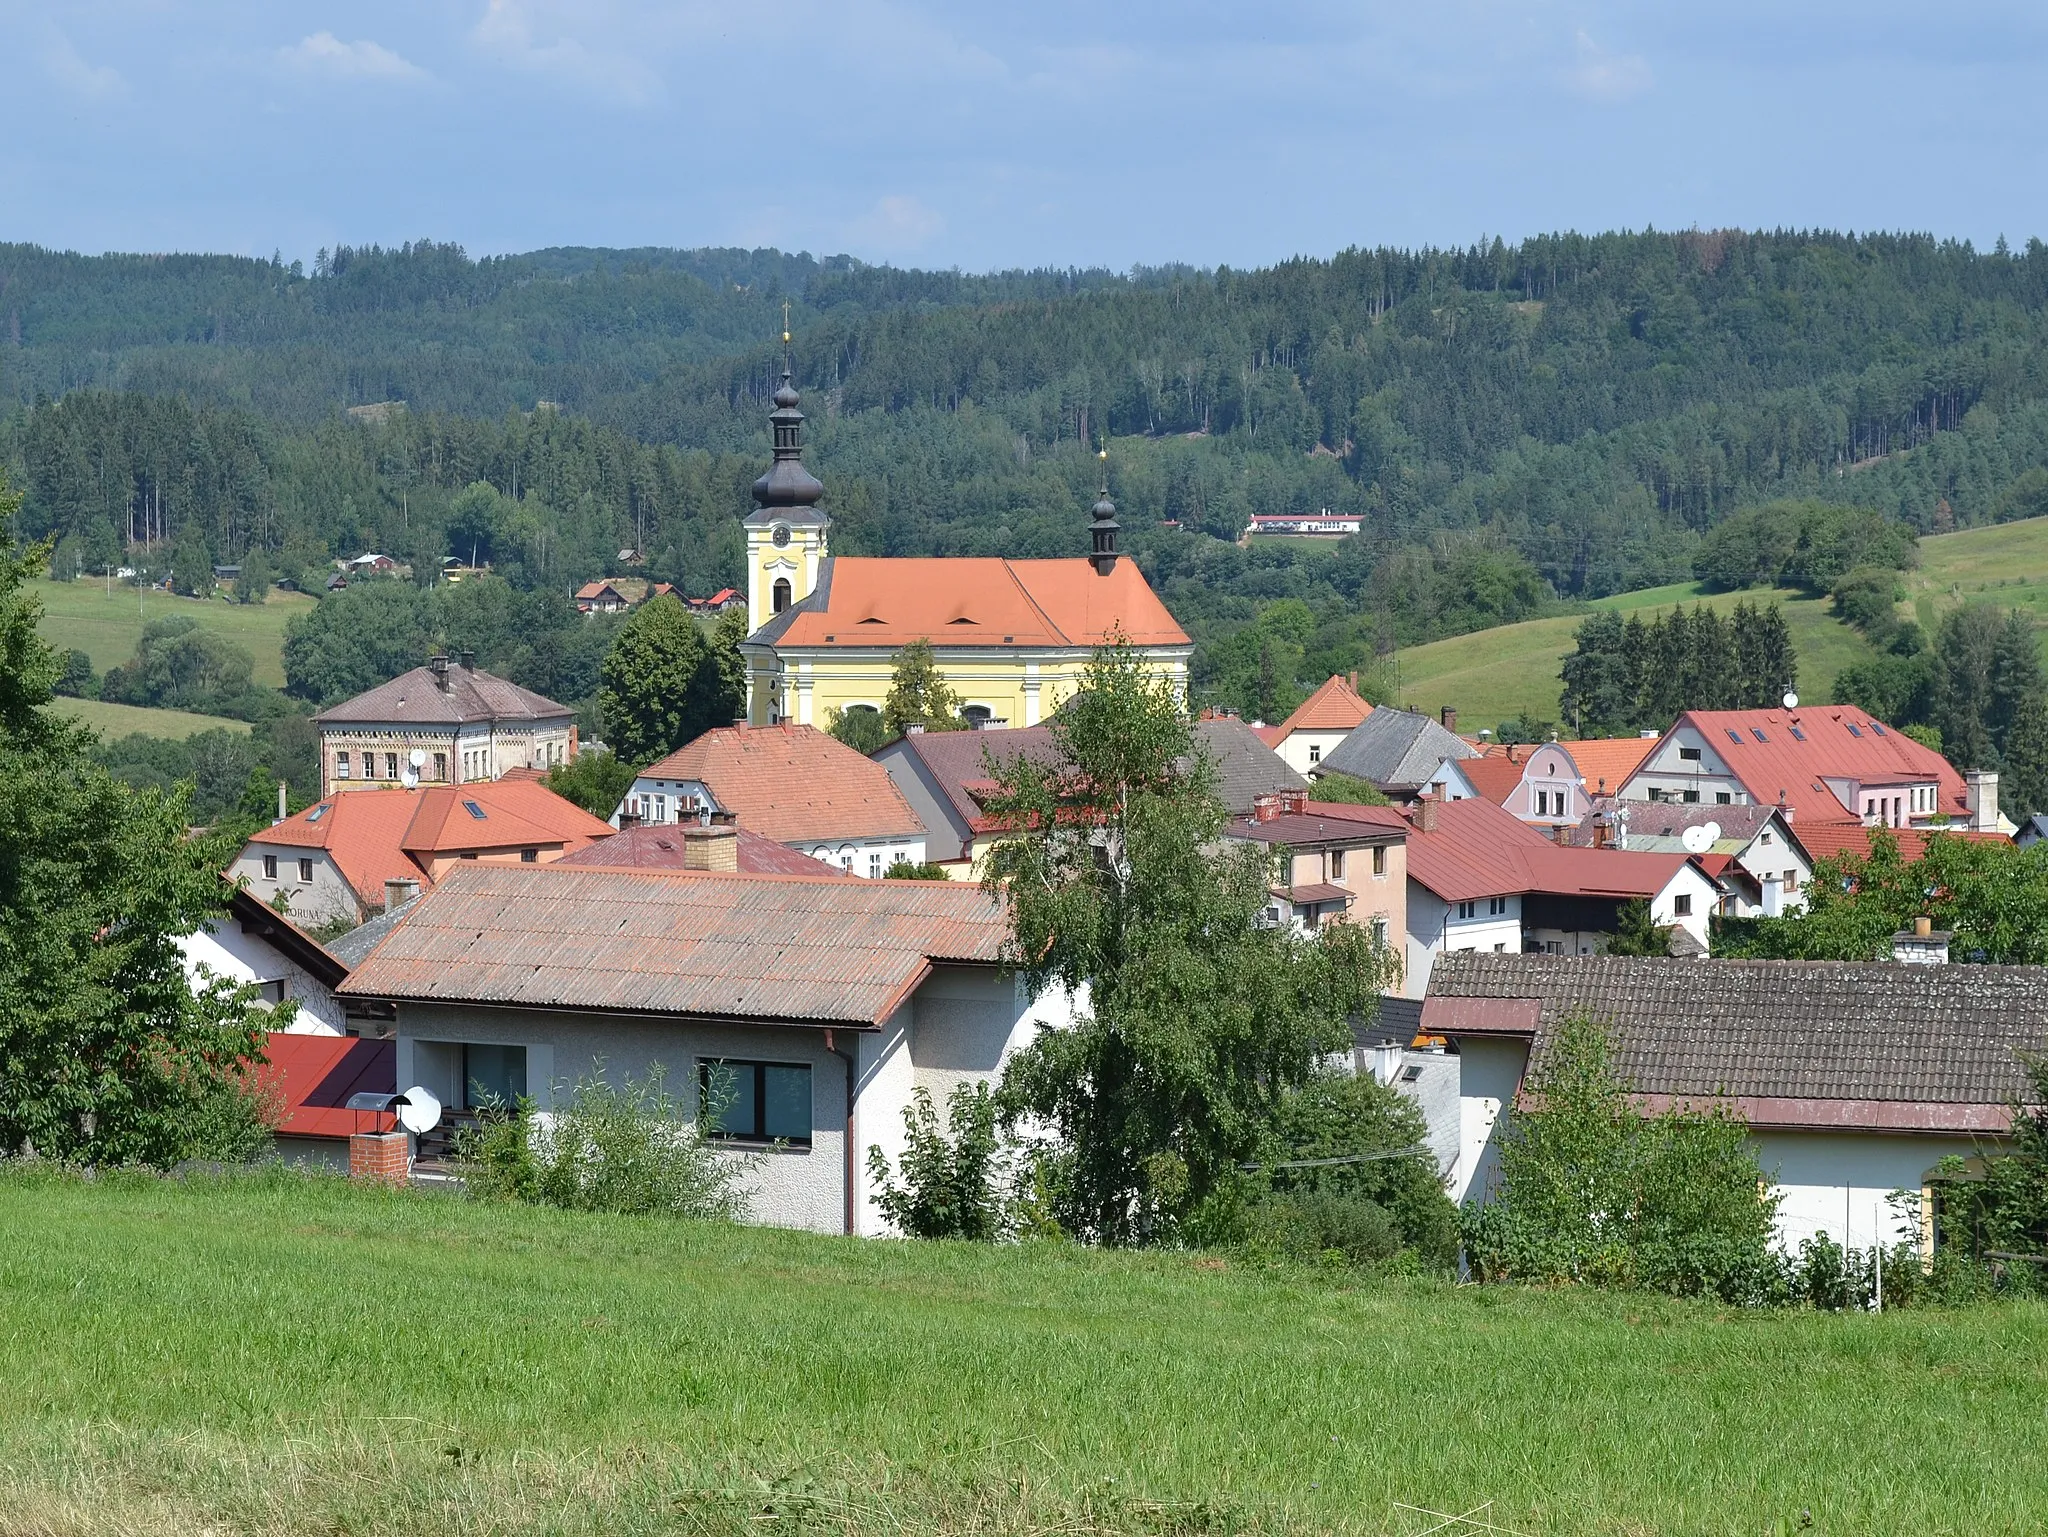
951	1180
1594	1191
627	1149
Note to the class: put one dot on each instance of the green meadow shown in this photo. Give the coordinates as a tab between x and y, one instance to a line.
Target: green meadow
284	1355
85	616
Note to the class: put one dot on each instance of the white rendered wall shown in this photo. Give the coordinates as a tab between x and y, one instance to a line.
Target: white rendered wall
1837	1182
1489	1074
328	897
224	950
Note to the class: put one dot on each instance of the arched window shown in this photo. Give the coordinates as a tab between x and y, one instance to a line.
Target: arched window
977	715
781	593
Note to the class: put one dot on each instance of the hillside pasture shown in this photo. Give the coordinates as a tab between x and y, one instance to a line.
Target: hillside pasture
119	720
85	616
286	1356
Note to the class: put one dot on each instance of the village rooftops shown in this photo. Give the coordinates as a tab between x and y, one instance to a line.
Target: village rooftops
791	783
443	693
666	847
885	603
660	944
1476	849
1334	706
1815	1045
1321	824
1809	757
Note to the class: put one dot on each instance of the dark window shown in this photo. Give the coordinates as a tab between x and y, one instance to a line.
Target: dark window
1758	733
1798	735
473	809
1379	861
493	1075
1682	906
440	765
756	1101
1854	729
270	867
1692	754
781	594
1336	864
305	872
1734	736
1722	797
1690	796
1874	726
529	856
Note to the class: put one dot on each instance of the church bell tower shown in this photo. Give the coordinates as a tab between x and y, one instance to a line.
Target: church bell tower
786	530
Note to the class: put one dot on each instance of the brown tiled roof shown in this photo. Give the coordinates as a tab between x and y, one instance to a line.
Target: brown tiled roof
823	950
1797	1043
660	847
793	784
974	601
416	698
1315	894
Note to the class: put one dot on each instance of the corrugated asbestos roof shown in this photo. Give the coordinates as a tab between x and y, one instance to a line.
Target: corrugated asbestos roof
823	950
1786	1031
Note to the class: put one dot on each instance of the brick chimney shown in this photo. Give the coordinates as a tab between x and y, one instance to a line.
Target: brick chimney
711	848
468	660
438	665
1425	814
1450	718
1265	807
399	891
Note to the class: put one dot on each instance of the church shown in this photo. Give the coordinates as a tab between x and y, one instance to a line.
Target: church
1012	637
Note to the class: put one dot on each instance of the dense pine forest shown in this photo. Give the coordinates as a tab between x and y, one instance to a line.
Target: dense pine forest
1519	427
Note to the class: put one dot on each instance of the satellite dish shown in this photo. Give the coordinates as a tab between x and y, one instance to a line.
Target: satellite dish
418	757
1791	700
1697	840
1713	832
417	1110
411	778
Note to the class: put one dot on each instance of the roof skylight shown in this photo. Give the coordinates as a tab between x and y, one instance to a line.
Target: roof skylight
1874	726
1854	729
474	809
1734	736
1758	733
317	812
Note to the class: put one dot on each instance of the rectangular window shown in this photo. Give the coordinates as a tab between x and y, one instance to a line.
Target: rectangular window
1854	729
1874	726
1379	930
270	867
474	810
441	766
1543	803
1690	754
1758	733
1681	905
1315	755
1379	861
874	867
1798	735
1764	839
305	872
756	1101
1690	797
493	1075
1336	864
369	765
1468	909
391	765
529	856
1496	907
1733	735
341	765
1722	797
1791	880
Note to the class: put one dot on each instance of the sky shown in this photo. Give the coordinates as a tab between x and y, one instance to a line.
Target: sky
1027	133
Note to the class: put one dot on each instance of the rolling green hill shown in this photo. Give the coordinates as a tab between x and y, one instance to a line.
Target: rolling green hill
119	720
85	616
1499	674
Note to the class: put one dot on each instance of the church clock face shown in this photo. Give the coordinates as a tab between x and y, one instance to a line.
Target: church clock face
780	536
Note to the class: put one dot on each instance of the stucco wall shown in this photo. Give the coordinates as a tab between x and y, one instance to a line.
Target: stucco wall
225	950
1434	927
1832	1181
1489	1073
327	898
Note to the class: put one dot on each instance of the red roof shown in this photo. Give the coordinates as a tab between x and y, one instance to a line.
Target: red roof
793	784
1822	840
660	847
979	601
1479	850
372	835
1777	763
315	1074
1495	776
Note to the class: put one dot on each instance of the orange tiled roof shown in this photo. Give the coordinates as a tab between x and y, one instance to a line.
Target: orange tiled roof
1334	706
793	783
975	601
1822	840
1495	775
1612	758
371	835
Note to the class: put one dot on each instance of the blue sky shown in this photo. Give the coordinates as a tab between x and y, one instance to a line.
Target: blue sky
995	135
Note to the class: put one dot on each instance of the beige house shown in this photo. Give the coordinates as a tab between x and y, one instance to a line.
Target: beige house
1333	864
444	723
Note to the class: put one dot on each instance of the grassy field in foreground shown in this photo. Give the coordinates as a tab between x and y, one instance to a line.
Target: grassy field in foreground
82	616
285	1357
118	720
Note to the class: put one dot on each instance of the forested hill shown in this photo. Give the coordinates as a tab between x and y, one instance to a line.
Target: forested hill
1516	425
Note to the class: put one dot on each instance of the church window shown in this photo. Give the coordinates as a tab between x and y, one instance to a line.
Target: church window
781	593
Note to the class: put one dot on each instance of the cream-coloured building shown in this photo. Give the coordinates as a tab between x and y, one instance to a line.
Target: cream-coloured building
444	723
1012	637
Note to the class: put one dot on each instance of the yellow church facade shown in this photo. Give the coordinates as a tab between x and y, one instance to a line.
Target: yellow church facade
1012	637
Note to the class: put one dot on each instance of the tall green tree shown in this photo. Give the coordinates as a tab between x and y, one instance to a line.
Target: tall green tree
192	561
649	693
107	1054
257	577
1200	1018
919	695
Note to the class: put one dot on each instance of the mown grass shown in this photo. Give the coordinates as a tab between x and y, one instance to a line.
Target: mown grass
288	1356
83	616
118	720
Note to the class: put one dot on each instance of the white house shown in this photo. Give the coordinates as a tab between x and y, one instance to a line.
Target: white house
824	1002
1480	879
788	782
1856	1080
1319	723
252	944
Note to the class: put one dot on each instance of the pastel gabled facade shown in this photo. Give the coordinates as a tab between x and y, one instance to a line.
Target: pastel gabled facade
1012	637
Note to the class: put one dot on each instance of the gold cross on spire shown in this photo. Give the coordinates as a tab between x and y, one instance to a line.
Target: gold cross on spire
785	322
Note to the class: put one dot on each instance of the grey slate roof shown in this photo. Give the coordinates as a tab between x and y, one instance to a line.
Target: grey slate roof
417	698
1398	1022
817	600
1943	1038
1656	827
1396	749
355	946
1246	767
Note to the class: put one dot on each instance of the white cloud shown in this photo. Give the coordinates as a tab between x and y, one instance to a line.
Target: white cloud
361	60
534	35
897	224
1599	75
68	68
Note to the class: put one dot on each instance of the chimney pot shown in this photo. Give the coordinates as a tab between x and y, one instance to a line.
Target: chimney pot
468	660
711	848
1450	718
1923	926
283	804
1425	814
